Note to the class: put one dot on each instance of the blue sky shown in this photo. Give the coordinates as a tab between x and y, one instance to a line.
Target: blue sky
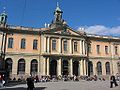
97	16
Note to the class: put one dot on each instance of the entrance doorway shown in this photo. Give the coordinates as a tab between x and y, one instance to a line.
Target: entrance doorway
53	67
65	67
75	68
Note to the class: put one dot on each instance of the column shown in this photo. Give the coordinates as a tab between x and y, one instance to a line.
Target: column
44	66
84	67
80	47
83	47
59	67
27	66
71	67
60	45
81	67
45	44
87	68
94	68
48	63
71	47
15	64
103	68
48	44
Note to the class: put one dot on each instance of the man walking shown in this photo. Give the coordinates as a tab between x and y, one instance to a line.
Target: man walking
113	81
30	83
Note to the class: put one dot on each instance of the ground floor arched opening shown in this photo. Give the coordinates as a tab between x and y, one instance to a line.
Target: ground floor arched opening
65	67
90	68
75	68
53	67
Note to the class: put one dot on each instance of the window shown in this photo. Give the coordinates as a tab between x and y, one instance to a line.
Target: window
53	44
99	68
75	46
34	67
35	43
10	42
89	48
116	50
65	45
98	49
90	68
21	66
23	43
8	64
107	65
106	49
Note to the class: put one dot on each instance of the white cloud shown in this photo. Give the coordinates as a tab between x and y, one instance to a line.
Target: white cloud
118	18
102	30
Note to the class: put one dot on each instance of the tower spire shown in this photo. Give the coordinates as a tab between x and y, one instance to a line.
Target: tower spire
57	4
3	17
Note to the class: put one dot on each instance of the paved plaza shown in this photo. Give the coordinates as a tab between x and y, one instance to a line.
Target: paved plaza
68	85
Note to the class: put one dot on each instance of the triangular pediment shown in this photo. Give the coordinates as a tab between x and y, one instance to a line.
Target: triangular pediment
67	31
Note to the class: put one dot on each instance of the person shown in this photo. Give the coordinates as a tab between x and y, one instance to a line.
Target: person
113	81
30	83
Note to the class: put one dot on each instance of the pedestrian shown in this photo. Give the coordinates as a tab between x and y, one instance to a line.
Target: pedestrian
30	83
113	81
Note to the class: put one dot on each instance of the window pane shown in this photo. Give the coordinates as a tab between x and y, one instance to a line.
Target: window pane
65	45
22	43
107	68
99	68
21	66
116	50
35	43
53	44
98	49
106	49
10	43
75	46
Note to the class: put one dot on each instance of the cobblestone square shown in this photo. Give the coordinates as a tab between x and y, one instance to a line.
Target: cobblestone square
68	85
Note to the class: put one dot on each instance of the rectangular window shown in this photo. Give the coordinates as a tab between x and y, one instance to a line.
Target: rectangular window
116	50
106	49
98	49
23	43
89	48
10	43
53	44
35	43
75	46
65	45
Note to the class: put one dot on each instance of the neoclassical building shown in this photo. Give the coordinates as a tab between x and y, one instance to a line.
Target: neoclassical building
57	50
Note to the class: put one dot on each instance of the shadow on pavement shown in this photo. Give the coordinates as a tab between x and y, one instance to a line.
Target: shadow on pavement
22	88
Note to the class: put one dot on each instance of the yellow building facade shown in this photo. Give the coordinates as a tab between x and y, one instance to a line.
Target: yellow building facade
58	50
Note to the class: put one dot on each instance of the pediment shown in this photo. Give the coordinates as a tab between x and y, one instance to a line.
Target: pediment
67	31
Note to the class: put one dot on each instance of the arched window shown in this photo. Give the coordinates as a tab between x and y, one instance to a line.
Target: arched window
34	67
107	65
8	64
90	68
99	68
21	66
